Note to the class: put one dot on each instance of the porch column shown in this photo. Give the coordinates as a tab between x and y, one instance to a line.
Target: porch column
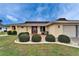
38	29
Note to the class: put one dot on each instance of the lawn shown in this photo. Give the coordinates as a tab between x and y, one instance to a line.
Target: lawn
9	48
3	33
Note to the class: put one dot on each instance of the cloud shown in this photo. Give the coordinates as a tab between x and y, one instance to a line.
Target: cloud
12	18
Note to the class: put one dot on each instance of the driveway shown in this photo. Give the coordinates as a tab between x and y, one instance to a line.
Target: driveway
76	40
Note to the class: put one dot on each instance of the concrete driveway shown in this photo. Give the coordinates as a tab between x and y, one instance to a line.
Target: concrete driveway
76	40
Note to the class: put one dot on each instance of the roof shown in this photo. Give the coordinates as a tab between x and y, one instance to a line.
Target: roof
68	21
33	23
37	22
46	23
65	22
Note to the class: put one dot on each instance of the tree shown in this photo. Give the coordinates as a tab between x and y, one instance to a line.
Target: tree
0	21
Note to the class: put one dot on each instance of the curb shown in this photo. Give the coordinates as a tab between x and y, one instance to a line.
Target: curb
46	43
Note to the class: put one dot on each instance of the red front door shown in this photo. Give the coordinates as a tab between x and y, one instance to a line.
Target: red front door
34	29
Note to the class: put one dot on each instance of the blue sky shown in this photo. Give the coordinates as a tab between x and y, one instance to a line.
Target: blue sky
21	12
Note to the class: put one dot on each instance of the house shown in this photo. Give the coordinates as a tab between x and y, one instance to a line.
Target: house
2	28
61	26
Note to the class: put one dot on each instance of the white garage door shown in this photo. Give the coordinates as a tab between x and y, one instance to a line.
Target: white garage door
70	31
78	31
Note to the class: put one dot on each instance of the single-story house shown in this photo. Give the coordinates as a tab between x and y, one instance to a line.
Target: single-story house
2	28
61	26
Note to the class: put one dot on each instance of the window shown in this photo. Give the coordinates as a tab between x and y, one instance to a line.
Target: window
42	28
58	26
13	27
22	26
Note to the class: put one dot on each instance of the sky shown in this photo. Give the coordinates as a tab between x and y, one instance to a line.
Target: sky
20	12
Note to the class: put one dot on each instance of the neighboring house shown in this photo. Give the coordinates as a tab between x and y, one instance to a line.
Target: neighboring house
2	27
62	26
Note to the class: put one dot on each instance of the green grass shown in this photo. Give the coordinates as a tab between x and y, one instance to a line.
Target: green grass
9	48
3	33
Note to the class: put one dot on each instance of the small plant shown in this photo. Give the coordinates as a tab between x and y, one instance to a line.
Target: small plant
36	38
24	33
46	32
14	33
27	33
50	38
9	32
63	39
23	37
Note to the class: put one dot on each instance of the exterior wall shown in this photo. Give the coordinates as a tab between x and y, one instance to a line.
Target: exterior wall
38	28
29	30
19	29
9	28
55	29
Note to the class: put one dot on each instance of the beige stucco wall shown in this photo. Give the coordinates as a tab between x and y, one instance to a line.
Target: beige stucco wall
38	28
66	29
54	30
24	29
20	29
29	30
9	28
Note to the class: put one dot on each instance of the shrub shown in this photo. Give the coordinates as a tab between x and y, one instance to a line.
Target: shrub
23	37
63	39
36	38
27	33
14	33
9	32
24	33
46	32
50	38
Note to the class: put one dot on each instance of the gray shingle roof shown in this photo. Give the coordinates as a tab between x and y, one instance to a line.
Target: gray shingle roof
41	23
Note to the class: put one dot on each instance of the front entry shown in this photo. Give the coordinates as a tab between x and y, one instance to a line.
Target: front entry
34	29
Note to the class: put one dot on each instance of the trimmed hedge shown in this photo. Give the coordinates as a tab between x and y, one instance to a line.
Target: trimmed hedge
63	39
24	33
23	37
50	38
9	32
36	38
27	33
12	32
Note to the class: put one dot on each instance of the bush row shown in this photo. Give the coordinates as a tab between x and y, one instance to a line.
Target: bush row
12	32
24	37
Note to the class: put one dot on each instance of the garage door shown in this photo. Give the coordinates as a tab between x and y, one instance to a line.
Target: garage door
78	31
70	31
